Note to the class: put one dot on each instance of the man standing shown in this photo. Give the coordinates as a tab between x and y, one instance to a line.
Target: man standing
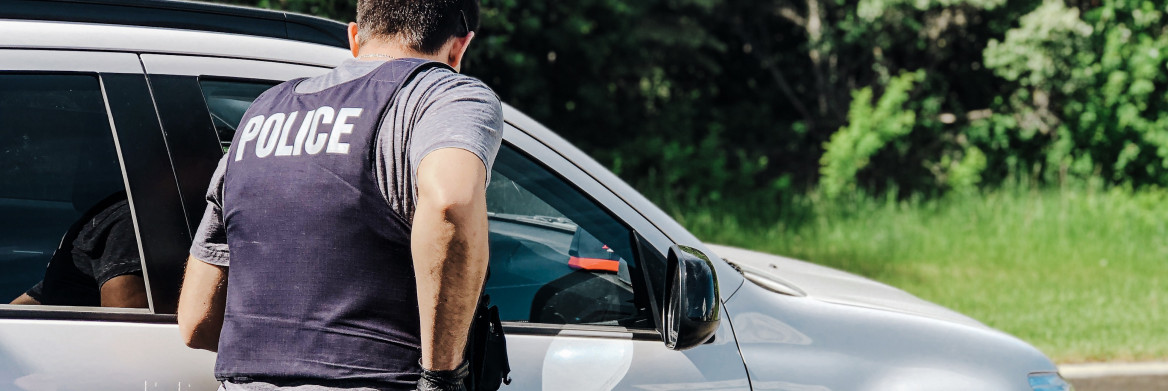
351	210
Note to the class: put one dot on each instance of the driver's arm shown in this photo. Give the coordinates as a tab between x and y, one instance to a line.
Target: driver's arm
125	291
449	244
25	299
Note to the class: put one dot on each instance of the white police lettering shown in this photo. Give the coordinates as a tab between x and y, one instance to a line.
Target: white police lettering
271	134
303	132
335	145
316	143
267	139
250	131
282	148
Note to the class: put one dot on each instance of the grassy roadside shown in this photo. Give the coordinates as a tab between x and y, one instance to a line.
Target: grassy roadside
1082	275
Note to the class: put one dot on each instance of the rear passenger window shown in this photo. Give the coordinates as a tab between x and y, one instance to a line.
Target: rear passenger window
66	232
228	101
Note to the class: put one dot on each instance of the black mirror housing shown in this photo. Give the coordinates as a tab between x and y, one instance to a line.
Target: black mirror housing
692	304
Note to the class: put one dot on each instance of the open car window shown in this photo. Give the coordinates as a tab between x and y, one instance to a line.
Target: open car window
556	256
227	101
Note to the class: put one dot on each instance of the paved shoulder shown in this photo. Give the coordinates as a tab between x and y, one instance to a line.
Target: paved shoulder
1117	376
1081	371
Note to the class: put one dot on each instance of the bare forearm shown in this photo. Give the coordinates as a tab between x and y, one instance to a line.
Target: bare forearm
449	246
201	304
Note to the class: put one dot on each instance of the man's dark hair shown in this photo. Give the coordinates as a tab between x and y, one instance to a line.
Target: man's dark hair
423	25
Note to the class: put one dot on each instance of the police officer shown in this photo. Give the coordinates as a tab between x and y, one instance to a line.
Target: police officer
344	243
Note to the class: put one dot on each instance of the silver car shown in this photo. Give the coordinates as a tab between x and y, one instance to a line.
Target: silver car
598	288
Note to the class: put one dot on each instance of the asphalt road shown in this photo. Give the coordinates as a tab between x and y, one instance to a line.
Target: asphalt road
1121	383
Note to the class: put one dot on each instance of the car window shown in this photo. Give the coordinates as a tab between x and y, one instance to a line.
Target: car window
228	100
65	224
556	256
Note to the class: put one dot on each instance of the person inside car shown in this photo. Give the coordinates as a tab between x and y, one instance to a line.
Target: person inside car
97	263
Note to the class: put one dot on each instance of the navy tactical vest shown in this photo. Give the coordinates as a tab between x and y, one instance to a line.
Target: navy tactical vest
321	283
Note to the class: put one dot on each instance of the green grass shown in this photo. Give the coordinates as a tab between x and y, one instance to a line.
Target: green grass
1082	275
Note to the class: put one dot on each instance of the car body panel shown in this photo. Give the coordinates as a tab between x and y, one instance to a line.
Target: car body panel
64	35
800	343
40	60
77	355
835	286
185	65
185	15
579	358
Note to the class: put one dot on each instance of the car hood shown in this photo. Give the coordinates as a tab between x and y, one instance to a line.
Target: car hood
798	278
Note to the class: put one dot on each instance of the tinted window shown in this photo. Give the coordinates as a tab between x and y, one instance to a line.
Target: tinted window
556	256
228	101
61	192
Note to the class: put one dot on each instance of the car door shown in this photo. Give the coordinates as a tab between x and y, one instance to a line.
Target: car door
577	276
78	129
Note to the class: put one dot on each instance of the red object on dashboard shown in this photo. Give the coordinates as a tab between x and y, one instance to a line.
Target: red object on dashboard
595	264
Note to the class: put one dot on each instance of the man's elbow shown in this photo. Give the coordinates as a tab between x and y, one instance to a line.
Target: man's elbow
455	205
197	335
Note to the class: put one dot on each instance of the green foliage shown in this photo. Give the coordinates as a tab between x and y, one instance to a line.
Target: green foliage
1088	91
870	127
965	174
706	172
637	83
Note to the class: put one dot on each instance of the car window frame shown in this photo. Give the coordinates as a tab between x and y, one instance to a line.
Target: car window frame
107	68
647	239
642	288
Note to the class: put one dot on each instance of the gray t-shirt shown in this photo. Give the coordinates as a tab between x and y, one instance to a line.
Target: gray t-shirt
434	110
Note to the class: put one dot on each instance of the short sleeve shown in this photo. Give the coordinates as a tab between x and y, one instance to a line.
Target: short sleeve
210	243
119	254
459	111
106	246
37	292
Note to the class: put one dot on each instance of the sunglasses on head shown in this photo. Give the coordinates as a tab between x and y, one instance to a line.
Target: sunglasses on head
465	25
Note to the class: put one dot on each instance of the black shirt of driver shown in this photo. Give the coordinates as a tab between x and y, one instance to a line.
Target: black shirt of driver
105	248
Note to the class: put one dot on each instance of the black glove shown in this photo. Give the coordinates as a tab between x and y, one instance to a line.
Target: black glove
444	380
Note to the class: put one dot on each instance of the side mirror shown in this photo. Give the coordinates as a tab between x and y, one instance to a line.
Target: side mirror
692	305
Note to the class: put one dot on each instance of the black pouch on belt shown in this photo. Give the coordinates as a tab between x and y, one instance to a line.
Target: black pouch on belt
487	349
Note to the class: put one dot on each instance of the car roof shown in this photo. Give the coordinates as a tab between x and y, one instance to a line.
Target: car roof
50	35
183	15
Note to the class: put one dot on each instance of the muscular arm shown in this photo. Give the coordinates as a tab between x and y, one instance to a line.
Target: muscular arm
201	303
449	244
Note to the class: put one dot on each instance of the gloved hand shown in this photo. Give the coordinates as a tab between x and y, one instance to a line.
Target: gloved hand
444	380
